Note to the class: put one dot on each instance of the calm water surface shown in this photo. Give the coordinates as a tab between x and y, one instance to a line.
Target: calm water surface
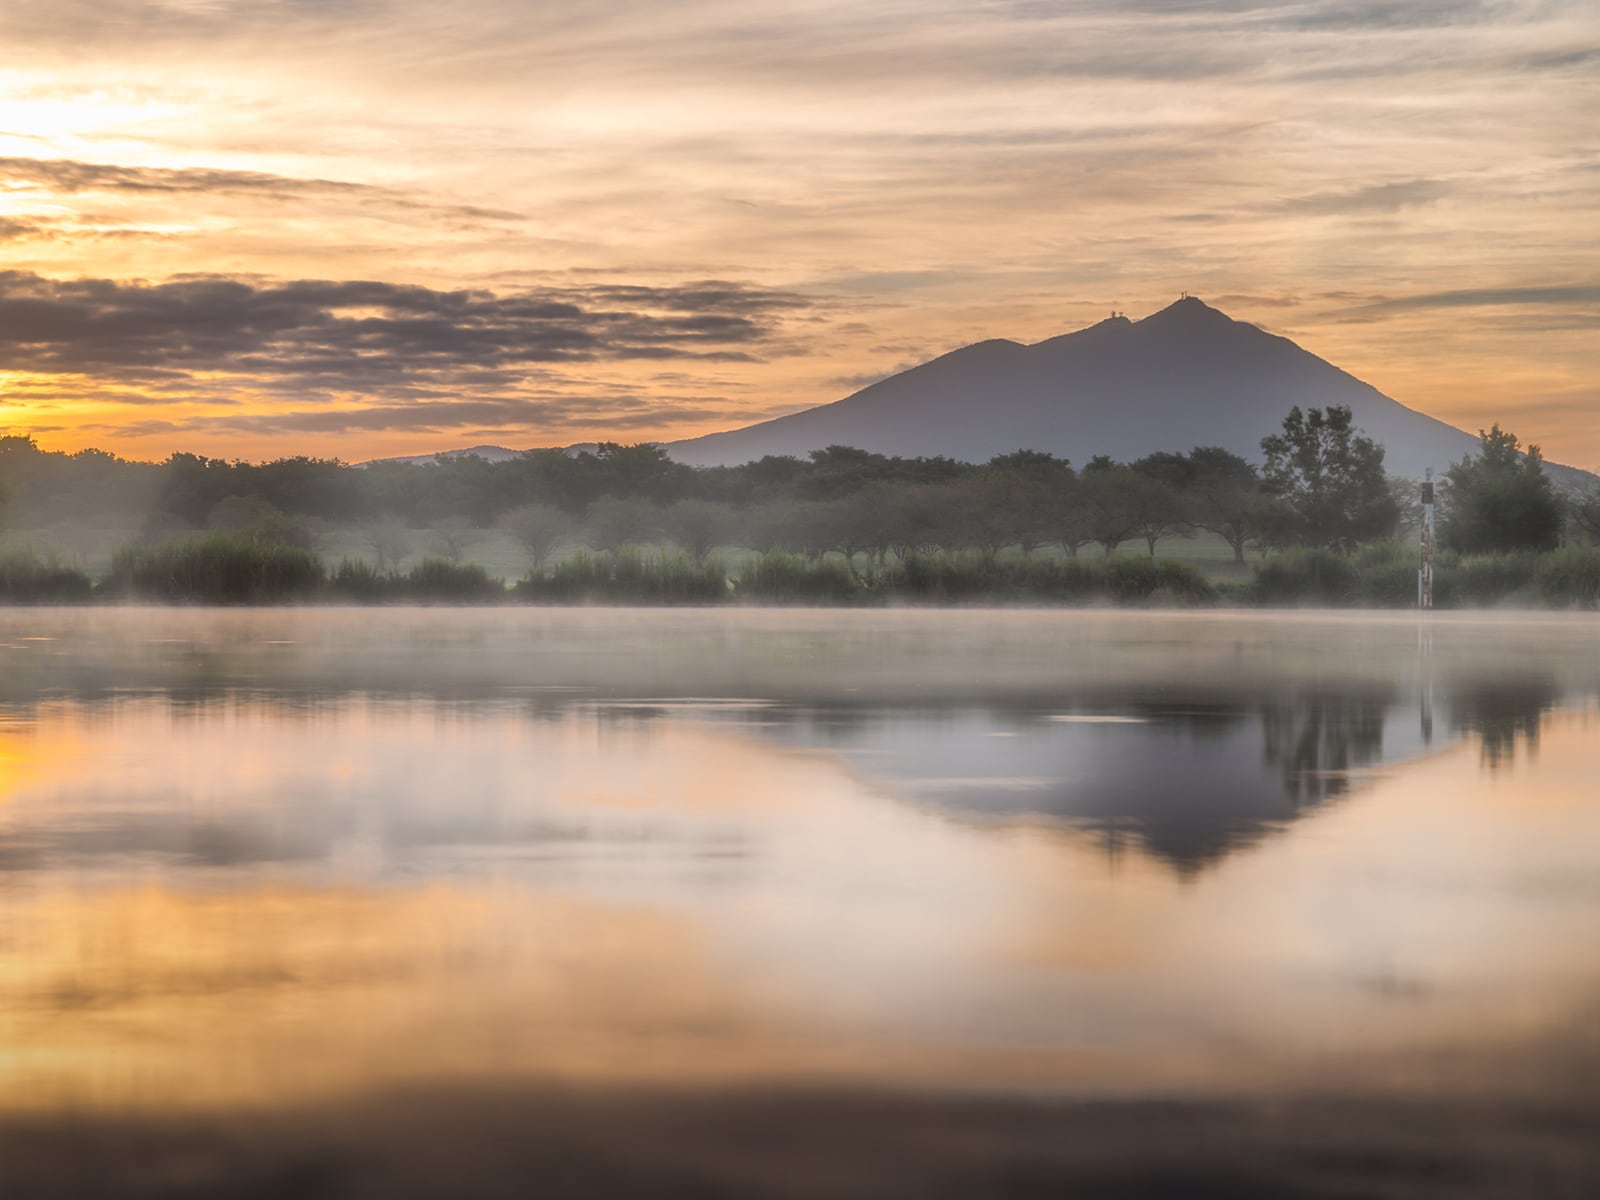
422	902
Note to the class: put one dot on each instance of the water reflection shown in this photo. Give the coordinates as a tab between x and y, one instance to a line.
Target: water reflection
1187	780
1169	860
1504	714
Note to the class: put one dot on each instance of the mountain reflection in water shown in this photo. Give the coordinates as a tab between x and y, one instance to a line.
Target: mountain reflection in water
934	903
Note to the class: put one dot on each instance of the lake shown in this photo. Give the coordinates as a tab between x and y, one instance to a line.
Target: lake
407	902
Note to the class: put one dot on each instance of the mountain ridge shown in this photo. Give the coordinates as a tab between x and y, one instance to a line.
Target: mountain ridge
1184	376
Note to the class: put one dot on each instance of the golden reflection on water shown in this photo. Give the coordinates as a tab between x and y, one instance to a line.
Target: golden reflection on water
252	902
28	754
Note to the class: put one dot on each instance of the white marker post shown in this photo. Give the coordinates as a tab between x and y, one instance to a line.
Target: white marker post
1425	574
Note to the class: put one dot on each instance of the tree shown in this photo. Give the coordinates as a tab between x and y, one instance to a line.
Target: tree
1028	485
1583	508
537	528
10	445
793	526
1501	500
570	482
1225	497
699	526
1038	464
835	470
1112	499
390	541
925	517
255	519
1174	470
642	469
1158	507
613	522
451	538
1070	519
1330	478
990	512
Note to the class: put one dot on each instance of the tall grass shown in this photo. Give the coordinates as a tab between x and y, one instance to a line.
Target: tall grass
1384	575
630	576
1571	576
934	578
1482	580
218	569
780	578
358	581
25	578
1309	577
431	581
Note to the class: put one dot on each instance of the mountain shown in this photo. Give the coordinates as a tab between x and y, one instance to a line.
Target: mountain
487	453
1186	376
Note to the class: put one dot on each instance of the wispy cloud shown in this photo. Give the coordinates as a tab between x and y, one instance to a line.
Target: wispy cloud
67	177
1586	295
944	172
1377	197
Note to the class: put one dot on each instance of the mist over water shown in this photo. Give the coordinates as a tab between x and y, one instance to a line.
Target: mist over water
411	902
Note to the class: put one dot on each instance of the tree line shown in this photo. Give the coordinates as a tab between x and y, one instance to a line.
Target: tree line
1320	484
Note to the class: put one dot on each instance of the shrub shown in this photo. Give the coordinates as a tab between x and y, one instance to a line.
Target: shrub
1184	583
1387	574
1306	576
1073	579
1571	576
1481	579
438	579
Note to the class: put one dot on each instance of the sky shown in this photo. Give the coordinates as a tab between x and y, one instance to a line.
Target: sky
356	228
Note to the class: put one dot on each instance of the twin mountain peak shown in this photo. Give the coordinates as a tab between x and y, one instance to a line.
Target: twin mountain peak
1186	376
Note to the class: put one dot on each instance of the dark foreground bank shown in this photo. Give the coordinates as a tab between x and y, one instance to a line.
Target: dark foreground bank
472	1144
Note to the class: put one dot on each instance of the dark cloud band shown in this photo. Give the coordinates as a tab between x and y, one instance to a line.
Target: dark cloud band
362	334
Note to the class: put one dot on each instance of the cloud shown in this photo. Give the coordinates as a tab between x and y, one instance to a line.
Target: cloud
1380	15
588	412
1381	197
1559	296
365	332
945	172
374	355
69	177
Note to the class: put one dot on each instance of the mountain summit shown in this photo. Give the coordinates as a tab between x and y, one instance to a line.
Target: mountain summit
1186	376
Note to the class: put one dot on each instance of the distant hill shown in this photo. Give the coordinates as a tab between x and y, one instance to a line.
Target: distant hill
1186	376
487	453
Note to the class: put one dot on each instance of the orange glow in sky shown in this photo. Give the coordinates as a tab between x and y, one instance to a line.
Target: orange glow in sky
533	198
